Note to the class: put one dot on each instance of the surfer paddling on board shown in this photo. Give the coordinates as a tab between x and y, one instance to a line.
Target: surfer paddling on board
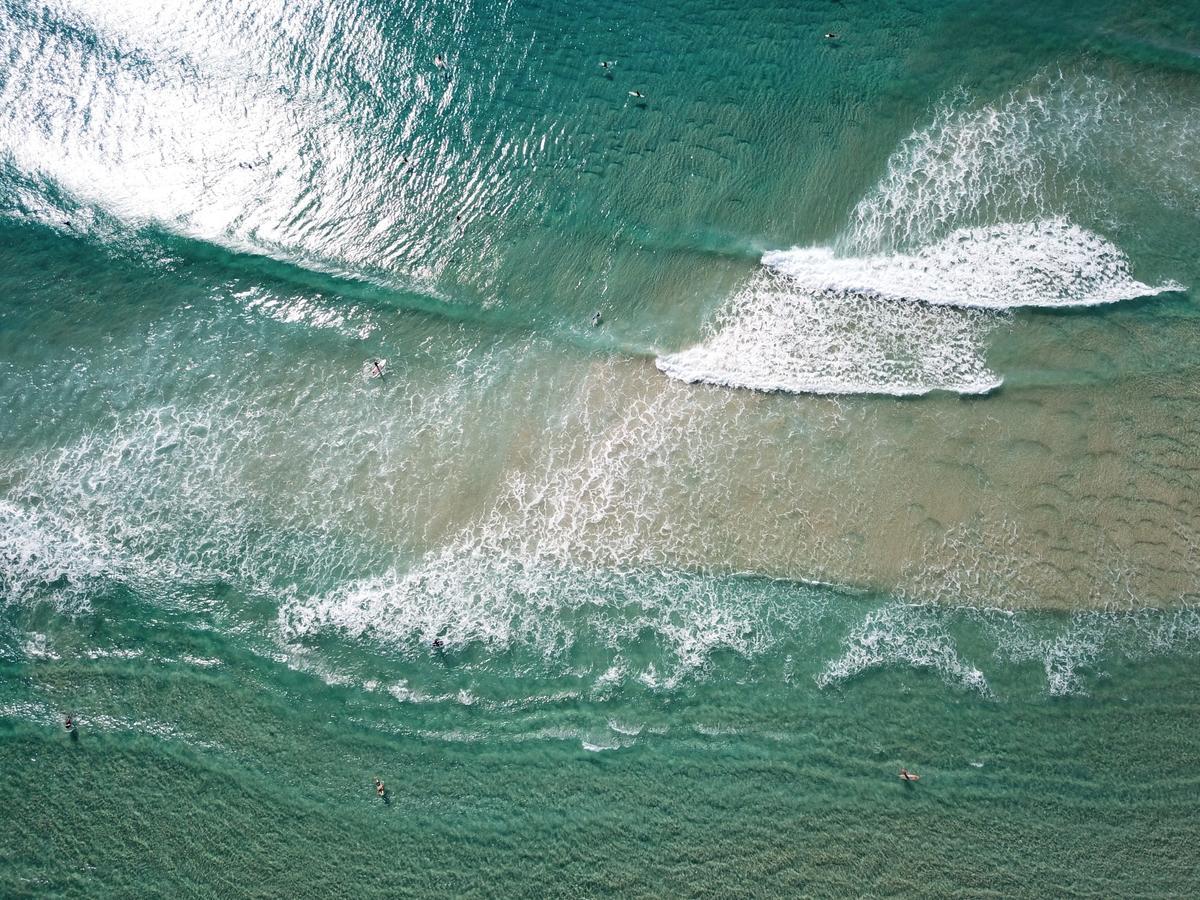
374	368
637	94
908	776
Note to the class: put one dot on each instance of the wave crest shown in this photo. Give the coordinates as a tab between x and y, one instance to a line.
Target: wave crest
1048	263
780	333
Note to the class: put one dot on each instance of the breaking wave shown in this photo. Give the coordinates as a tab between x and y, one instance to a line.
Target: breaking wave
781	334
1059	142
1048	263
969	216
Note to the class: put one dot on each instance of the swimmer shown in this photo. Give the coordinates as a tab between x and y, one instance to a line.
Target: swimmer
595	318
438	644
637	94
906	775
830	36
604	64
69	725
379	788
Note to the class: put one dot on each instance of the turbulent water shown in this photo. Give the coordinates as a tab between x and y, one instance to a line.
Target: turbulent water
884	452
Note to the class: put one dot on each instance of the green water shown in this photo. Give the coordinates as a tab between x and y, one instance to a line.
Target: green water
883	454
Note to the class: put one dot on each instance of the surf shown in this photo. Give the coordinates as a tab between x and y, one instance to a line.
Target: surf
1050	263
966	226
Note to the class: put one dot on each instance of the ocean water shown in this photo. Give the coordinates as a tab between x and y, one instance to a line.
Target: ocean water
885	452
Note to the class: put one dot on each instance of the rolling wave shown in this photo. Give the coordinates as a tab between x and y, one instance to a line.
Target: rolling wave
781	334
965	224
1049	263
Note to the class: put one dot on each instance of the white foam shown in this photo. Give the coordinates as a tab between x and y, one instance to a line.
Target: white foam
203	662
582	544
1047	263
463	595
780	333
1062	141
113	654
896	323
37	646
903	635
40	551
1064	654
601	741
1072	652
970	212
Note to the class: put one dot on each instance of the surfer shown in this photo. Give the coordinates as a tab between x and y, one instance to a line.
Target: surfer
830	36
69	724
379	788
906	775
596	318
439	61
637	94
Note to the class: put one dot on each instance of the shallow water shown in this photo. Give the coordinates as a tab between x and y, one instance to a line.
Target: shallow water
884	453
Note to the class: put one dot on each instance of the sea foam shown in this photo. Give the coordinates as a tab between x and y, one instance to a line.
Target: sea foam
780	333
1047	263
904	636
969	214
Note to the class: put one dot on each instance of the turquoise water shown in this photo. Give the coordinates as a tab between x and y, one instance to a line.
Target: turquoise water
884	453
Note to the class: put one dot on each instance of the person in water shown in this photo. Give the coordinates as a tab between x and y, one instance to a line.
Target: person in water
379	788
830	36
595	318
69	724
376	369
439	61
909	776
438	644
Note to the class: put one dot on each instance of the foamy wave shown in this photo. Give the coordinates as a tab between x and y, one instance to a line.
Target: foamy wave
903	636
1049	263
40	551
783	334
465	596
1090	639
970	213
1033	153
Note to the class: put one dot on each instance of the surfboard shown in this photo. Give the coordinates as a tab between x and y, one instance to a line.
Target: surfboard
374	368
